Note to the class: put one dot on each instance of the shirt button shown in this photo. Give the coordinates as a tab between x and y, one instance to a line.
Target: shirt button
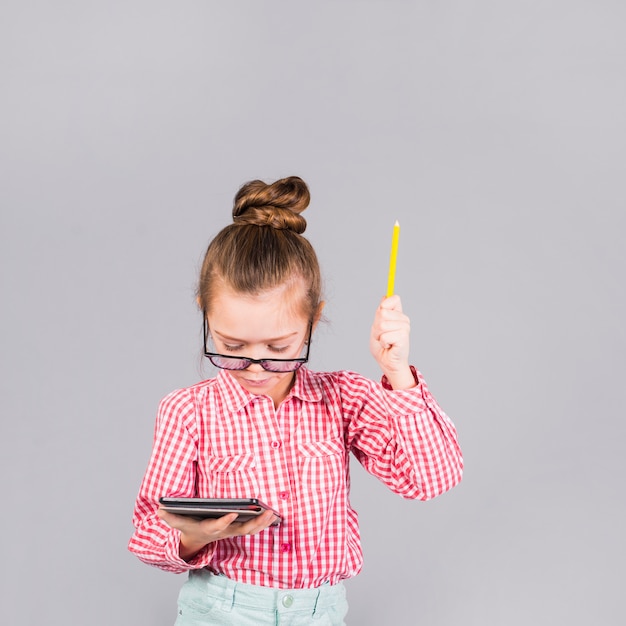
275	444
284	495
285	547
287	601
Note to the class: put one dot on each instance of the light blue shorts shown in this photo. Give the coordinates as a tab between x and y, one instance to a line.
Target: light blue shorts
209	599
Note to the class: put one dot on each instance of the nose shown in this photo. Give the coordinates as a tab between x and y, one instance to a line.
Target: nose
254	368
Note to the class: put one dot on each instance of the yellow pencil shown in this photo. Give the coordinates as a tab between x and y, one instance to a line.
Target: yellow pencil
392	260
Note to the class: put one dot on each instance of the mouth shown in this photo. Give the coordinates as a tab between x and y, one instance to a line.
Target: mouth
256	382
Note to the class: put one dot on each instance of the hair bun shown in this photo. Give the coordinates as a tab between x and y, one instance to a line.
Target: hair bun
277	205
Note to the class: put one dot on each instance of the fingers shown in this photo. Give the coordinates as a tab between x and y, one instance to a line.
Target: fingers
392	303
171	519
390	336
390	324
189	524
253	526
222	524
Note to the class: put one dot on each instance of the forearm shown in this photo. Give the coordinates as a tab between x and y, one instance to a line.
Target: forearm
407	441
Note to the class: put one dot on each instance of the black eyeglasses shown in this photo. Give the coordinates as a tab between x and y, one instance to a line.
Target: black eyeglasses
226	362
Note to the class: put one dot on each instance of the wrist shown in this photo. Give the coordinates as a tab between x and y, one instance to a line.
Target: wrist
188	548
403	378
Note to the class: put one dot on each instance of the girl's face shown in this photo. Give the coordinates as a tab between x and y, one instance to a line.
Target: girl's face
261	326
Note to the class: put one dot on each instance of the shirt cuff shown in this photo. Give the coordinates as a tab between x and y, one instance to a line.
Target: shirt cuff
172	551
421	388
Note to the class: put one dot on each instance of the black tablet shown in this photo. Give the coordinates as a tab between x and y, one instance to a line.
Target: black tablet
246	508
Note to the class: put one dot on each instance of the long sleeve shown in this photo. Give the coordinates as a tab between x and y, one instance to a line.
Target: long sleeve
402	437
170	472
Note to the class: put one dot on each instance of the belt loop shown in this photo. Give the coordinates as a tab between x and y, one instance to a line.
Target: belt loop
228	599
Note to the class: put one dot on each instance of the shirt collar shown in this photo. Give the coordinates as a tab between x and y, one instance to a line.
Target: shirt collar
306	387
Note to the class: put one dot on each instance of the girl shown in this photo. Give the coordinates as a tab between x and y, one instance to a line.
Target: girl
267	427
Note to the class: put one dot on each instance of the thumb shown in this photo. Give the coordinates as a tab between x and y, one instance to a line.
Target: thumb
391	303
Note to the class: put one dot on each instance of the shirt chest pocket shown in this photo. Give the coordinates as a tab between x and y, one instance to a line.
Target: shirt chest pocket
322	465
233	476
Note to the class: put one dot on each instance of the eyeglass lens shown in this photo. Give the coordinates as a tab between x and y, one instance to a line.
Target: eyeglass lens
241	363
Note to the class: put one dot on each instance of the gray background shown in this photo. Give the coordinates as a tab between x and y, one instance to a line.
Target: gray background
494	131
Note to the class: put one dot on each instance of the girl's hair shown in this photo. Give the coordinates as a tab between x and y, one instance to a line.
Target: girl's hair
264	248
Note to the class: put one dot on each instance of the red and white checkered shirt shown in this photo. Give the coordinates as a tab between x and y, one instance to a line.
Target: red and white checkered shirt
216	440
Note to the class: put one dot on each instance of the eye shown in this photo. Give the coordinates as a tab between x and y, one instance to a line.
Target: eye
277	349
232	348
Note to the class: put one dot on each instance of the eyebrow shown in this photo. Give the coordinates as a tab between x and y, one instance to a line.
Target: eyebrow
272	340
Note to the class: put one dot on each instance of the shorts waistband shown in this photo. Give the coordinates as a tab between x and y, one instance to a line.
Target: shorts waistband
233	593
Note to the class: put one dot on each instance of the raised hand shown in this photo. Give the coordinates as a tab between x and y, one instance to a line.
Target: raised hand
389	342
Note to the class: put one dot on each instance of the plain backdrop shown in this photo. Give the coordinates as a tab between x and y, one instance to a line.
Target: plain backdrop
493	131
